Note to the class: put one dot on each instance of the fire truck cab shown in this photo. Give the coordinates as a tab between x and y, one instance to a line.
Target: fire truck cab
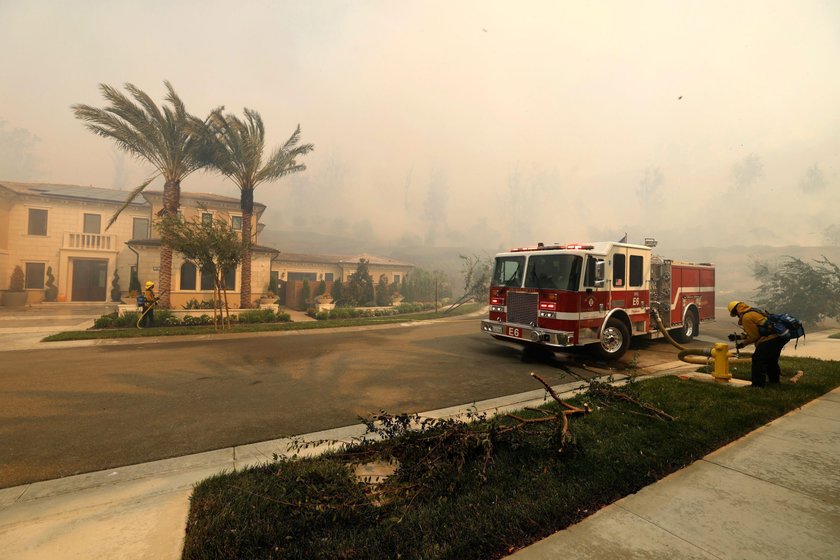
595	294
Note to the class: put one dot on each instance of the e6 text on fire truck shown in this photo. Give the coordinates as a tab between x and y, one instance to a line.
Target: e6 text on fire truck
597	295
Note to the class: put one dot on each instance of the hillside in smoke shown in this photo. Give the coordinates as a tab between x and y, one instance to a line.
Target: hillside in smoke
734	265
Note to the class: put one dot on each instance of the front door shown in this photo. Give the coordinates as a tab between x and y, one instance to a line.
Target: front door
89	280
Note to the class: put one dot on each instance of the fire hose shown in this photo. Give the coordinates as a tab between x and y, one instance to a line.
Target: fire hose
700	356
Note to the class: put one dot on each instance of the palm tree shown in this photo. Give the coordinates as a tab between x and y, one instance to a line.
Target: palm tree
164	138
238	155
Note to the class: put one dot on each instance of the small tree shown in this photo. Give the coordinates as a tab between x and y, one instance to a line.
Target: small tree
305	294
272	285
337	292
16	281
382	296
51	291
211	246
360	286
477	273
116	292
809	291
321	289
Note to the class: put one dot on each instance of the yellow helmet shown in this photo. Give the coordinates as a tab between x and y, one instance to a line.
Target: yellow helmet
150	284
733	308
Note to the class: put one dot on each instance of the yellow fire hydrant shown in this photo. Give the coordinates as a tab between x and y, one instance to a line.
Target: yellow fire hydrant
720	353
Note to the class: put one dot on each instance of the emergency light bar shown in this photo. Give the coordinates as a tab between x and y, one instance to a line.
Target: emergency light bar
541	247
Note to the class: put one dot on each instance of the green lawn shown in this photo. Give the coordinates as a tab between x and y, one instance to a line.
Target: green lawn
481	490
94	334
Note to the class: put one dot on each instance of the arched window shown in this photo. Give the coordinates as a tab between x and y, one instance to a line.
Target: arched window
188	276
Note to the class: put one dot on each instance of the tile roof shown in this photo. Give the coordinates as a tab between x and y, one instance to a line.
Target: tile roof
204	196
339	259
156	243
72	192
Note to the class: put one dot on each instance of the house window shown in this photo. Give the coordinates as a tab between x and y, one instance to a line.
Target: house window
92	223
140	229
637	275
207	280
35	276
133	280
619	270
396	278
236	223
37	222
206	218
187	276
301	276
328	276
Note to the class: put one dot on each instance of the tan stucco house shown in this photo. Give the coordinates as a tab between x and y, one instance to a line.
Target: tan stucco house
291	269
330	268
62	228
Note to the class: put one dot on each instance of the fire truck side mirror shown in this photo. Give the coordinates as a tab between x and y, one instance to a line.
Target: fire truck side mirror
599	273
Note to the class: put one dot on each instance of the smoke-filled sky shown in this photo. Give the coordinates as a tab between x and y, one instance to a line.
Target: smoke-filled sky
452	122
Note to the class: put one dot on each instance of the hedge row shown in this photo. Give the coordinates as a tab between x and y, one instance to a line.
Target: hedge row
356	312
164	318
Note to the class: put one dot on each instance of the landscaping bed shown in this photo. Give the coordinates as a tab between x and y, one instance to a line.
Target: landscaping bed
263	320
485	489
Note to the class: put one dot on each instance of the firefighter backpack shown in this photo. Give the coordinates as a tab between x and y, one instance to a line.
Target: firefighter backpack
783	325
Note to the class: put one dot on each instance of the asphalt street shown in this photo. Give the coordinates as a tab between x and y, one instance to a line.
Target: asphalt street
74	410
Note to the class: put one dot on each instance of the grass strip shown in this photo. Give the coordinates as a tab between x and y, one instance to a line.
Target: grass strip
466	507
97	334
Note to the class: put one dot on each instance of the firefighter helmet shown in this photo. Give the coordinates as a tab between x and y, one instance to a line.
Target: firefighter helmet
150	284
733	307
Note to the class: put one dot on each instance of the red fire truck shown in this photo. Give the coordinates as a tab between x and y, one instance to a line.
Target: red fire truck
596	294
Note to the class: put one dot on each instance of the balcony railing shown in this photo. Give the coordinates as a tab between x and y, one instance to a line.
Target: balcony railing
90	241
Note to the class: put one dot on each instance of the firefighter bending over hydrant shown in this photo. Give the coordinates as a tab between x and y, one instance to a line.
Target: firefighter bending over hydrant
768	348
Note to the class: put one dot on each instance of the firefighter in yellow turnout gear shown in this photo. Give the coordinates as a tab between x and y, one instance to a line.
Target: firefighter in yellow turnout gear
149	301
768	348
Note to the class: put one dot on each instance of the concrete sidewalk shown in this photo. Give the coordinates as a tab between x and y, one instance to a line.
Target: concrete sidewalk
774	493
23	328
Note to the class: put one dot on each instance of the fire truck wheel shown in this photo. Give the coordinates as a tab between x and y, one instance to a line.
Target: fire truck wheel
689	329
615	339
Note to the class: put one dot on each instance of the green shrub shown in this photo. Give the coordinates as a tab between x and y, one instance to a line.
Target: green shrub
106	321
163	317
322	315
199	304
258	316
340	313
128	319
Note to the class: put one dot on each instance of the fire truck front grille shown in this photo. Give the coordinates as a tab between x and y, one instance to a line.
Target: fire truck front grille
522	307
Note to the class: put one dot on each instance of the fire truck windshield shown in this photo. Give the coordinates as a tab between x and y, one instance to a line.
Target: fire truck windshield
508	271
553	272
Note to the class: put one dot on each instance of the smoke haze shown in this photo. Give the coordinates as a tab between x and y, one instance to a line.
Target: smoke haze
488	123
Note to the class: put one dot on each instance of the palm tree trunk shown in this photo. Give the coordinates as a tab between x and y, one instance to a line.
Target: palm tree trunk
247	205
171	202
